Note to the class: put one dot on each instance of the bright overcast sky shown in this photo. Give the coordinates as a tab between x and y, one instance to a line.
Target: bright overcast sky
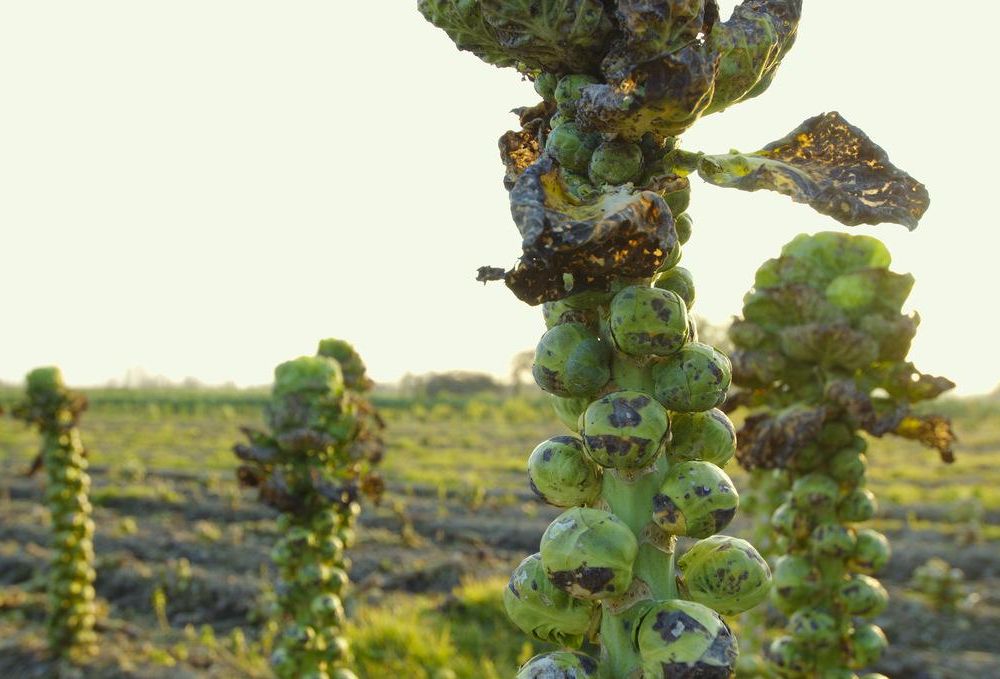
208	187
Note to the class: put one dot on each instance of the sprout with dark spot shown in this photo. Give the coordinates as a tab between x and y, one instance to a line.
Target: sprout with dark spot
561	473
589	553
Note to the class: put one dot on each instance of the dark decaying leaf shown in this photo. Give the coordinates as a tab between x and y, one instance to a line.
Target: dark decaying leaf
831	165
903	380
750	46
878	417
653	28
570	248
770	441
933	431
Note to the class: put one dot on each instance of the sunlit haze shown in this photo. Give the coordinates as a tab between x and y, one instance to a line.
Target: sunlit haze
207	188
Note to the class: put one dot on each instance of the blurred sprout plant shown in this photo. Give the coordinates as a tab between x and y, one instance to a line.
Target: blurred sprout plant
314	464
821	357
55	410
599	191
943	587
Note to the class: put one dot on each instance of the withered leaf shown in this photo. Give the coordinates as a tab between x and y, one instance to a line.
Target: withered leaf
831	165
934	431
769	441
877	417
570	247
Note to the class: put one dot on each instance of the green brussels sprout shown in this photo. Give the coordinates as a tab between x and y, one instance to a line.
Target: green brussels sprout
695	378
856	506
836	435
45	380
871	552
794	583
685	639
671	259
589	553
315	374
868	642
683	224
555	313
569	410
837	673
343	673
724	573
791	522
697	499
569	89
615	162
545	86
648	321
814	626
851	292
862	595
832	540
807	457
746	335
815	493
351	365
679	201
708	435
572	147
678	280
625	430
542	610
790	657
570	360
560	472
560	118
328	609
848	466
559	665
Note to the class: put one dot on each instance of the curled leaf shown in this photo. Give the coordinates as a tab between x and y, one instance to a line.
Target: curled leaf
878	417
750	46
831	165
570	246
830	344
934	431
769	441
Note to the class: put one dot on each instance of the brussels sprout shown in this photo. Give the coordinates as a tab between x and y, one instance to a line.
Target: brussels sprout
871	552
545	86
308	374
589	553
856	506
862	595
625	430
560	472
695	378
671	259
568	90
815	493
683	224
44	381
569	410
725	574
697	499
542	610
685	639
570	360
571	146
351	366
848	467
559	665
579	190
790	657
707	435
814	626
867	645
560	311
791	522
851	292
832	540
648	321
678	280
615	162
836	435
794	583
746	335
327	609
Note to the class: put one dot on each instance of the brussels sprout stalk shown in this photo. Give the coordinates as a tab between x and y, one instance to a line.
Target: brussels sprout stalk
313	465
821	336
599	191
55	411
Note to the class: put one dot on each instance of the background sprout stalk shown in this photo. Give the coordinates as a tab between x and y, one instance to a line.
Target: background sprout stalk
55	411
313	464
820	358
599	191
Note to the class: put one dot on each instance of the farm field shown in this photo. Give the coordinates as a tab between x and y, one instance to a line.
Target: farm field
183	566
